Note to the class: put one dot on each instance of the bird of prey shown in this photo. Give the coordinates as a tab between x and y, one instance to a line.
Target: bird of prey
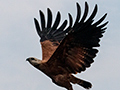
68	49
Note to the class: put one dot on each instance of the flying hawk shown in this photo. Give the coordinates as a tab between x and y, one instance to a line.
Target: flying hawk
68	49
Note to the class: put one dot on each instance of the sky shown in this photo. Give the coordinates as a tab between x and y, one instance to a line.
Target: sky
19	40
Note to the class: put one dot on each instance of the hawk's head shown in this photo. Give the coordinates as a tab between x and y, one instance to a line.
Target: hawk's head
33	61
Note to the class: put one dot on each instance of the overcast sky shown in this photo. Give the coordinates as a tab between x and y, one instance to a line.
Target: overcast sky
19	40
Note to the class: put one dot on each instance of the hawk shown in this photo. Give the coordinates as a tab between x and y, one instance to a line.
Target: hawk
68	49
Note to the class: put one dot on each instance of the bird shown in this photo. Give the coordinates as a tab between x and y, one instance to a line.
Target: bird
70	48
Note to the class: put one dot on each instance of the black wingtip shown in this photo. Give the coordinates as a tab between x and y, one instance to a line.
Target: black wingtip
106	22
70	20
101	26
35	19
105	17
37	27
94	12
41	13
59	15
96	8
42	17
85	13
77	4
57	20
86	4
49	18
105	14
78	15
48	9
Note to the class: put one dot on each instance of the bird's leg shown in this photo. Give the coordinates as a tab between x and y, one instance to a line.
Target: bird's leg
62	80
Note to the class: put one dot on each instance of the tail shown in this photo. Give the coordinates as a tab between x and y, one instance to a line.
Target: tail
85	84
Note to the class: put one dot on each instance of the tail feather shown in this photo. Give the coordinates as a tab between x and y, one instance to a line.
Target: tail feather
80	82
85	84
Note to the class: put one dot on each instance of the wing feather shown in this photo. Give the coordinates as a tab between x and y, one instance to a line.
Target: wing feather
42	19
85	13
77	50
50	36
78	15
57	21
93	13
49	21
37	27
100	20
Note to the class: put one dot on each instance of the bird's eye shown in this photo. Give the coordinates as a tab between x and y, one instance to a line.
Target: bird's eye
32	58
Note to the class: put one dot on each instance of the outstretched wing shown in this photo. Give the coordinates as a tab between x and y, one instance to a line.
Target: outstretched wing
76	51
50	35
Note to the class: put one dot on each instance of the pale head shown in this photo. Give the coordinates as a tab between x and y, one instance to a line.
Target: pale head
34	61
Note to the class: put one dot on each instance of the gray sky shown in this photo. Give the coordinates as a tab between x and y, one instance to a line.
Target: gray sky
19	40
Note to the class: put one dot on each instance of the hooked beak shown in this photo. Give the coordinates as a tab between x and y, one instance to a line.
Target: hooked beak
27	59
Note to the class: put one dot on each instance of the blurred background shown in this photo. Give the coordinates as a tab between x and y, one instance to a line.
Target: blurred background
19	40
